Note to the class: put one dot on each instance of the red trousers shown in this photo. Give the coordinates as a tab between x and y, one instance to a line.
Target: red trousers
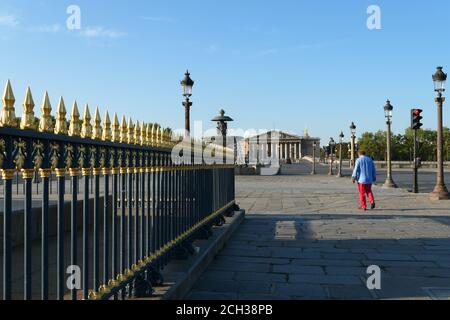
363	190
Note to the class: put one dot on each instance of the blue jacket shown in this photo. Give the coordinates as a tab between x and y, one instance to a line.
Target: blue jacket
365	171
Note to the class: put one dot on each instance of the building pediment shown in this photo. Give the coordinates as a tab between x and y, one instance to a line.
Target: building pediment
281	134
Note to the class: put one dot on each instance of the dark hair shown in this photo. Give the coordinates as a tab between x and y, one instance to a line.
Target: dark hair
361	152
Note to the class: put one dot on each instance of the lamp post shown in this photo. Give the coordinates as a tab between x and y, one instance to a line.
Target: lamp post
440	190
222	129
341	141
388	114
352	145
314	158
331	144
187	85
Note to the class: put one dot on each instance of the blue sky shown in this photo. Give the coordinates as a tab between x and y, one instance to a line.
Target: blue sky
288	64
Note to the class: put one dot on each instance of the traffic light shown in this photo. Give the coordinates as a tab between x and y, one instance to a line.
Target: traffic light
416	119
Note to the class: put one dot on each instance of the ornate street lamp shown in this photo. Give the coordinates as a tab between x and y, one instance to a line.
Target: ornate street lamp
352	145
222	129
388	108
341	141
187	84
331	145
313	172
440	190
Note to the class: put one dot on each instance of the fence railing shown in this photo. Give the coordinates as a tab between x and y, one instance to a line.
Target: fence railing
112	241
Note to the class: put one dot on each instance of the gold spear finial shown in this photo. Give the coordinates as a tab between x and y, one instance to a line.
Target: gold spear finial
8	116
137	133
123	131
61	122
152	134
75	123
161	137
130	132
115	137
27	122
86	128
97	128
46	122
143	134
107	133
149	134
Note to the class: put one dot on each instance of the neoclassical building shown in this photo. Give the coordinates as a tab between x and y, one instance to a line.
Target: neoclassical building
279	145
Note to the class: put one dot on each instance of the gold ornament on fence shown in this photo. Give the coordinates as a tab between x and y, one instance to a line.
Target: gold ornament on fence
8	115
149	134
86	129
27	122
107	133
130	132
143	134
115	129
75	123
123	131
61	122
137	133
97	128
46	122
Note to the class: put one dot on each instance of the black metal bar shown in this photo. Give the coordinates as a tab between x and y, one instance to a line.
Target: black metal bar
130	218
28	181
154	233
123	243
96	249
73	226
148	218
136	228
86	178
60	236
8	175
114	253
142	221
106	228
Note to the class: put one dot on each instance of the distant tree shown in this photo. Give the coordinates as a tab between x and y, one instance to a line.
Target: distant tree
374	144
402	145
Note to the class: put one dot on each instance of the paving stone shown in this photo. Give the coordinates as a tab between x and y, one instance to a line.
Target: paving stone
348	292
326	262
255	287
295	290
327	279
224	265
391	257
257	276
214	275
286	253
206	285
257	260
298	269
346	271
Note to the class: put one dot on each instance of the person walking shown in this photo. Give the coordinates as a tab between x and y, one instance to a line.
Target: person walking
365	174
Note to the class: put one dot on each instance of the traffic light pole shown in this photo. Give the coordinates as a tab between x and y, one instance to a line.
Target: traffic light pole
416	124
415	165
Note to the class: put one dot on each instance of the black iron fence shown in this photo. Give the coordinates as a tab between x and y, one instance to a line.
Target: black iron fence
120	209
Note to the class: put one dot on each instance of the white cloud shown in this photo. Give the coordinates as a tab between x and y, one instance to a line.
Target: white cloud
54	28
8	20
101	32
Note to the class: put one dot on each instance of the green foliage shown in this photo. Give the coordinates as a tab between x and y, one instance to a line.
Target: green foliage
402	145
